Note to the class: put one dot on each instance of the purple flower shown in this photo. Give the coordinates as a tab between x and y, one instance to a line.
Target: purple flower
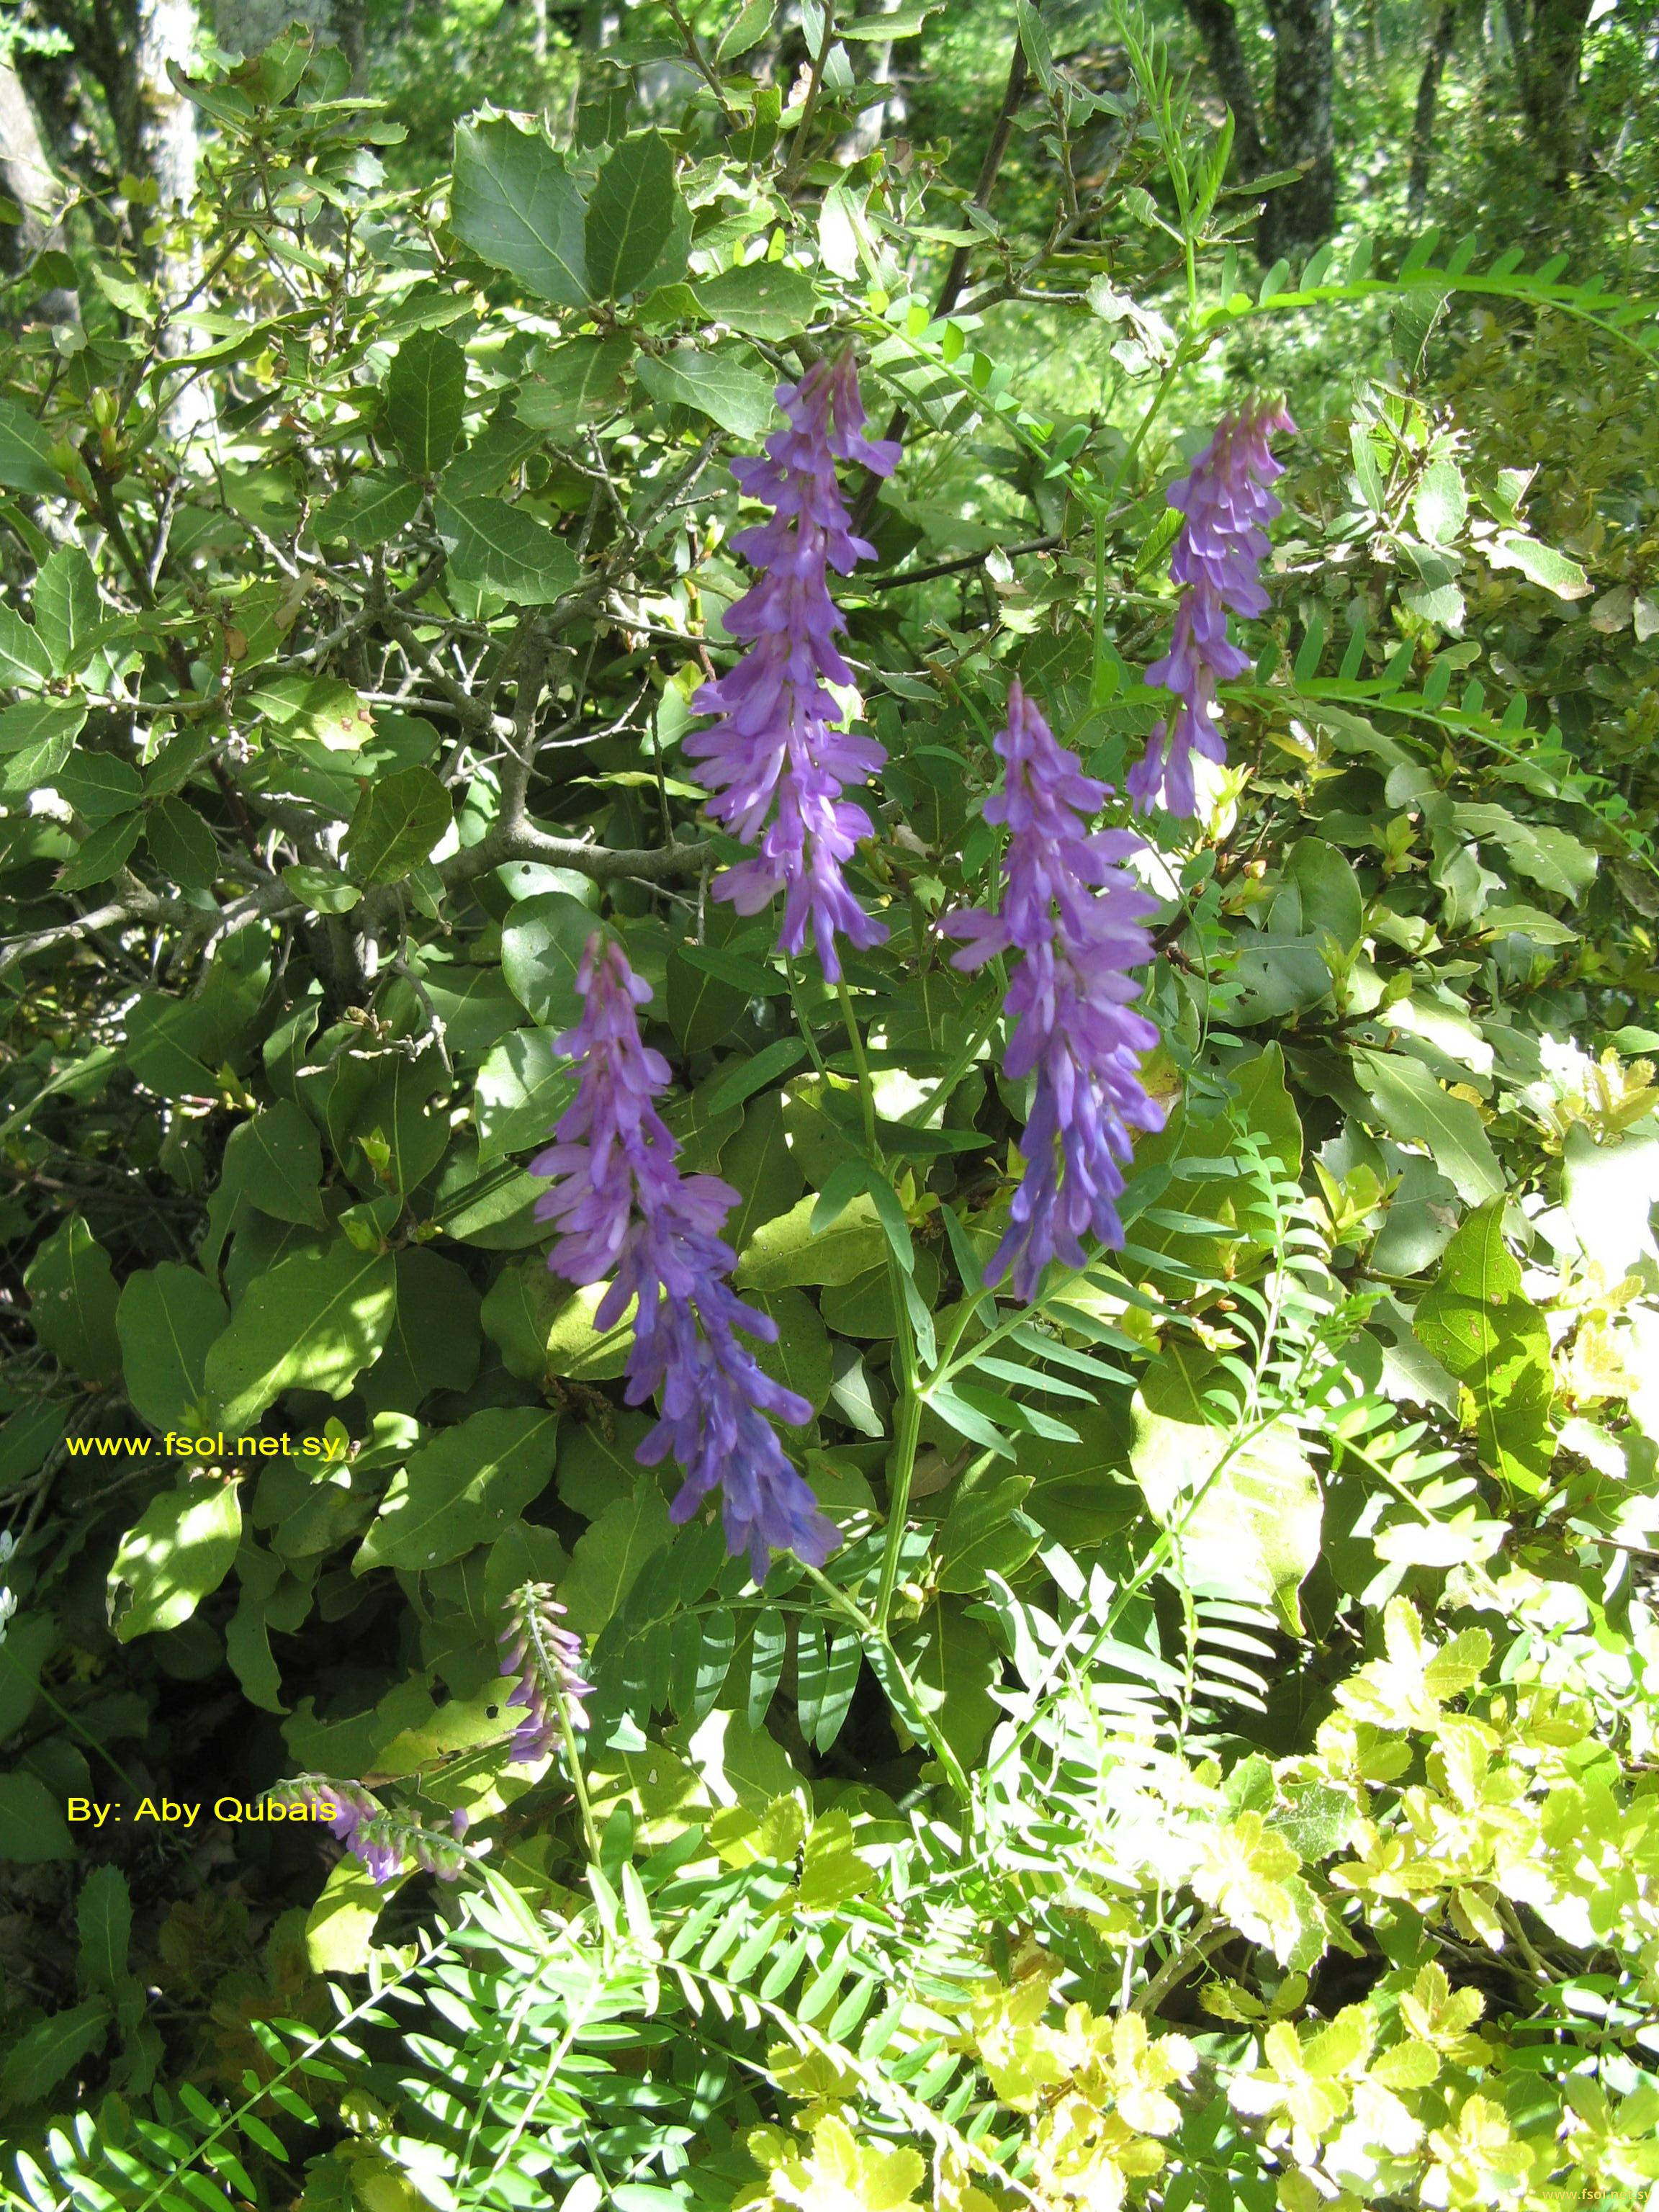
388	1843
773	746
1074	914
1223	543
548	1661
620	1204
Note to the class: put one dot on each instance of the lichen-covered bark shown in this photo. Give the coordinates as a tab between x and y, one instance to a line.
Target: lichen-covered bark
26	173
1301	216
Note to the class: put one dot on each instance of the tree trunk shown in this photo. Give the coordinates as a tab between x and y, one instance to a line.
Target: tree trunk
1299	216
1217	26
26	174
1428	93
1547	65
165	33
867	133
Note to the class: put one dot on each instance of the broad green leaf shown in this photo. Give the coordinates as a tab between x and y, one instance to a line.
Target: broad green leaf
761	298
513	202
312	1323
325	891
784	1253
631	216
984	1530
103	1915
35	725
72	1298
574	1347
101	855
1332	903
747	28
801	1359
44	2053
249	1655
275	1162
68	609
168	1318
314	710
462	1489
608	1557
523	1087
541	946
1478	1324
954	1665
24	659
32	1825
367	509
577	383
1246	1515
425	398
713	382
397	822
26	462
503	556
1539	564
177	1553
181	844
1412	1106
340	1927
1440	505
434	1339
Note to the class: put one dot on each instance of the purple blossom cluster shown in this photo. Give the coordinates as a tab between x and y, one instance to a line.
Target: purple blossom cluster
622	1208
1074	915
1222	543
548	1661
774	750
389	1844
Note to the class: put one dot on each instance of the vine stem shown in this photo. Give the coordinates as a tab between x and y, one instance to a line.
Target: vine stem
876	1638
902	1465
579	1780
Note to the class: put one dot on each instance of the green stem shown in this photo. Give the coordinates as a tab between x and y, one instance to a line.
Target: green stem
871	1632
573	1760
902	1465
958	1067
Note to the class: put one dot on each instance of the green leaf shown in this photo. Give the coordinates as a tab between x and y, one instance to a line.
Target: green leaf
68	609
784	1253
462	1489
1440	505
1539	564
24	660
985	1531
425	399
607	1559
434	1339
103	1916
1412	1106
1333	905
762	299
1477	1322
99	856
1247	1515
46	727
576	1348
513	202
523	1088
71	1287
319	710
249	1655
168	1318
954	1664
42	2056
747	28
503	556
749	1076
396	823
367	510
177	1553
576	383
32	1825
26	462
631	216
325	890
312	1323
275	1162
802	1358
541	946
181	844
713	383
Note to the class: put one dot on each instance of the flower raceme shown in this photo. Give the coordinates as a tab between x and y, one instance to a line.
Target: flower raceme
621	1207
1222	543
1074	915
548	1661
773	750
389	1844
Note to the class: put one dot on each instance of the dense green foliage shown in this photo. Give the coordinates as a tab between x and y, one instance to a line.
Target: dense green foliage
1219	1763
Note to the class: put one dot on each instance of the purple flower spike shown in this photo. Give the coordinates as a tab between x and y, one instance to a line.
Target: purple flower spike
1074	914
620	1203
388	1843
774	751
548	1661
1216	559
